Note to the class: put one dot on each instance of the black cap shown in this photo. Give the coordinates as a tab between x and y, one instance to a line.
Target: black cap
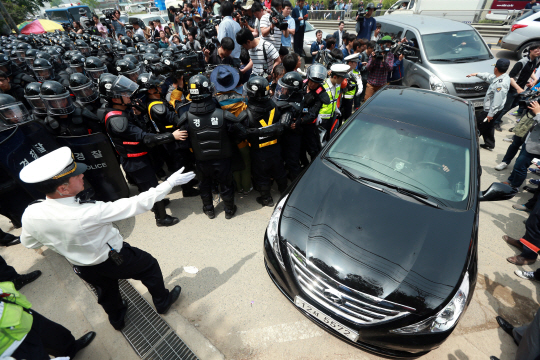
502	65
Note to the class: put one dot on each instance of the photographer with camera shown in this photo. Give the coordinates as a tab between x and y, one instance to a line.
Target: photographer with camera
118	26
263	54
251	17
228	27
499	84
365	22
221	54
273	24
379	65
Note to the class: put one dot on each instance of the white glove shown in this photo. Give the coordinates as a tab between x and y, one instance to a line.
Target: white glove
178	178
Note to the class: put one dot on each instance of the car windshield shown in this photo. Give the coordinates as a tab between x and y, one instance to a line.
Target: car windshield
309	27
534	10
456	46
416	159
58	15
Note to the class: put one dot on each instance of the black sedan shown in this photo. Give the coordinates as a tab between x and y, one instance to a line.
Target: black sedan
376	242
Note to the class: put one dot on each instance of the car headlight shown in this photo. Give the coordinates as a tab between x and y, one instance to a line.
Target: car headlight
446	318
272	231
436	84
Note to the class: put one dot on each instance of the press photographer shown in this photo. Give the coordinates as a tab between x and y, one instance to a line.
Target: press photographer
221	53
273	24
379	65
251	17
365	22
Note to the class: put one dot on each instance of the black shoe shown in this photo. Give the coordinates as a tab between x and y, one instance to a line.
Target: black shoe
530	189
125	310
25	279
210	213
493	358
85	340
9	240
173	296
167	221
190	192
230	213
498	128
265	202
505	325
484	146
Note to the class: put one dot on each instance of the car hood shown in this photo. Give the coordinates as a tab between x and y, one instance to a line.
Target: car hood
449	72
386	246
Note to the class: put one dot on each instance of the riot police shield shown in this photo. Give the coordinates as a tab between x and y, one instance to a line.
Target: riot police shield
20	145
103	172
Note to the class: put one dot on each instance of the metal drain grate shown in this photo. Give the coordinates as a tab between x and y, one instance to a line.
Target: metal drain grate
149	335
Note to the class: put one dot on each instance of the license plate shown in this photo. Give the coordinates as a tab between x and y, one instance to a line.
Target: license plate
478	104
340	328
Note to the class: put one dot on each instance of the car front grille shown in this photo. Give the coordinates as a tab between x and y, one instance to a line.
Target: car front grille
352	305
471	88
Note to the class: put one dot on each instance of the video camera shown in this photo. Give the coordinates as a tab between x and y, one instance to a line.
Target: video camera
527	97
280	22
186	63
361	13
404	49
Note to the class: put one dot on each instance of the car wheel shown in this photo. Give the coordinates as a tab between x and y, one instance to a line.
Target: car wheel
523	51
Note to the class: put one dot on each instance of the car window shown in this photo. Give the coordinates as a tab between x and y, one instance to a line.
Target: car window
412	38
459	46
58	15
394	31
75	13
309	27
414	158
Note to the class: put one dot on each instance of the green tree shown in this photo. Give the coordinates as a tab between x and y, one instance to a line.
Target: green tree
92	4
54	3
20	10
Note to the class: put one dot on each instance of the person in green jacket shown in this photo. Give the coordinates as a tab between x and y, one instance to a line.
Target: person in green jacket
26	334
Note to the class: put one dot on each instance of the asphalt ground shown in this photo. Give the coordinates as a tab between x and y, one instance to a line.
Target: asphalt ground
229	308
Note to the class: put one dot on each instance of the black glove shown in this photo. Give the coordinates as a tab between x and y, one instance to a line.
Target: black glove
138	104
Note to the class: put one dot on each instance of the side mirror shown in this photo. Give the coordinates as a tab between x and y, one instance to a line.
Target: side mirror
497	192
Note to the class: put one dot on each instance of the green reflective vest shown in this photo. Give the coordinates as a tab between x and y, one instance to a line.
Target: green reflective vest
351	84
15	322
328	110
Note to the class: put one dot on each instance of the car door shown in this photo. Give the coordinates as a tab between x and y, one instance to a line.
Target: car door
414	74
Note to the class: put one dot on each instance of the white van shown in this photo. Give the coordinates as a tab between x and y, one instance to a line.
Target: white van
135	8
466	11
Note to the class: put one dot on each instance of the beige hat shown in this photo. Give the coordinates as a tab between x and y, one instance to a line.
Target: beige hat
249	4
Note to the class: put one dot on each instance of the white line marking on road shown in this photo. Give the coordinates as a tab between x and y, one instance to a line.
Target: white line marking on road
269	335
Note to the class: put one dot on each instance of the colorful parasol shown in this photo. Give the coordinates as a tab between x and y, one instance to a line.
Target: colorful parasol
20	26
41	26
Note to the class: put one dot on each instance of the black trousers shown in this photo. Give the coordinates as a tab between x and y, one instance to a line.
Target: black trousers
310	138
46	338
138	265
292	146
221	171
7	273
299	41
267	164
346	108
487	129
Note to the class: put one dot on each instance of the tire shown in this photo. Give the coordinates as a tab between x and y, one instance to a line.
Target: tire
523	51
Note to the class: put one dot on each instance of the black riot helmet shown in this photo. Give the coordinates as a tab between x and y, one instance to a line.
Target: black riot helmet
83	47
116	87
147	81
317	73
22	37
57	98
287	85
138	38
29	58
87	38
32	93
12	111
16	60
21	50
131	58
43	69
132	51
127	41
94	67
128	69
200	88
55	55
6	65
83	88
167	54
121	50
256	88
77	63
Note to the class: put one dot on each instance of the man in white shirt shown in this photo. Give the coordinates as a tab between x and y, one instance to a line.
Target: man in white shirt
269	31
83	231
137	29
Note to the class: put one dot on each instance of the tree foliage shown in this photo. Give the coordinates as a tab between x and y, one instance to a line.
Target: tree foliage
92	4
20	10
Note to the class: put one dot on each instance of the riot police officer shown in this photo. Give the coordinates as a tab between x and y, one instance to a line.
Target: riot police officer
314	98
289	99
128	69
64	118
32	93
264	125
16	76
44	70
131	140
76	64
210	134
94	67
87	98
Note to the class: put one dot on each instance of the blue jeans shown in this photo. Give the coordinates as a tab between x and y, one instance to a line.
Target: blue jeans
512	149
518	175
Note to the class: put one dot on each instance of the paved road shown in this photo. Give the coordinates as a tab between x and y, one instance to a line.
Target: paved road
232	302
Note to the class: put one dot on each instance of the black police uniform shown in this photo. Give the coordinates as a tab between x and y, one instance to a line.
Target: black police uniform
263	121
313	101
210	130
291	110
80	122
20	78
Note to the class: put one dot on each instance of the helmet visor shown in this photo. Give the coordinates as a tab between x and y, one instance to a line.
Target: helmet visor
59	104
94	74
21	54
77	67
37	104
85	50
17	61
29	61
281	92
85	93
43	74
14	113
133	75
123	87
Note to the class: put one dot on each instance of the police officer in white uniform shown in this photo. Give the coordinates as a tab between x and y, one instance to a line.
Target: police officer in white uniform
83	231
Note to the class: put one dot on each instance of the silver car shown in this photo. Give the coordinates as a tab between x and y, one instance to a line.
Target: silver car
444	53
525	30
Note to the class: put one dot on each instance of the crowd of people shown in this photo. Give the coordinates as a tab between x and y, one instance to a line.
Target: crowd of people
220	92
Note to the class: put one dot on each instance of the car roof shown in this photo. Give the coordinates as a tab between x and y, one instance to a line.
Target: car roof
425	24
428	109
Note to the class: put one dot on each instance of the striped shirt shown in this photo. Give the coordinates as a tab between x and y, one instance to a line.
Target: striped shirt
257	56
274	38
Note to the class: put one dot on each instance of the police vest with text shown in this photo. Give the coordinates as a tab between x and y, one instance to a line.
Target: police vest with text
209	137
